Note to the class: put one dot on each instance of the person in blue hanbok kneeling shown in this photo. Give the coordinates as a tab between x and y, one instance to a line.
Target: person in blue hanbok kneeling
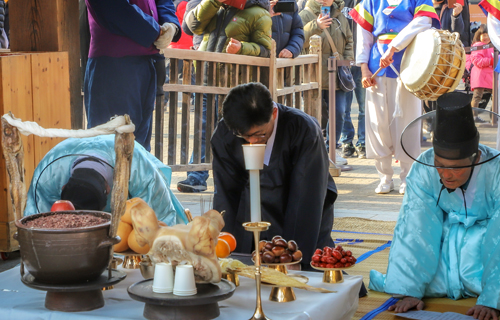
447	238
81	171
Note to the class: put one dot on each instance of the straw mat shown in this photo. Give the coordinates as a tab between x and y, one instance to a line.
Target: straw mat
376	299
365	244
370	240
364	225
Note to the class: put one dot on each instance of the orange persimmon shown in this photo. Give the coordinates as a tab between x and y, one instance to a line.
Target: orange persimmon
230	239
222	249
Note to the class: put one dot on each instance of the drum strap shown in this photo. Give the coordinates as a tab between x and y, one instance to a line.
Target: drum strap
398	112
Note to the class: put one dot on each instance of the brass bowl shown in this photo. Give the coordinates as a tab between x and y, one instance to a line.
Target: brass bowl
147	269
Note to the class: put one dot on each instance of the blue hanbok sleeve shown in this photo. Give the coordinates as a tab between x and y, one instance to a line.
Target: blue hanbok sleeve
125	19
490	255
150	181
415	250
166	13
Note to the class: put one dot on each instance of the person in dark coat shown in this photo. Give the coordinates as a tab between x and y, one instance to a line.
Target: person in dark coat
297	190
288	32
456	19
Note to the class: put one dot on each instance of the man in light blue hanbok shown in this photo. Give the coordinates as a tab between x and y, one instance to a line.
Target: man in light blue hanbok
447	238
81	170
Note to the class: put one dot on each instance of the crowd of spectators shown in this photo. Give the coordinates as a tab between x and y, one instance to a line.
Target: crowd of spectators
219	24
222	26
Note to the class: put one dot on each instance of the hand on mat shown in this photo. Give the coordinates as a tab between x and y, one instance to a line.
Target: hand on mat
366	76
406	304
386	59
483	313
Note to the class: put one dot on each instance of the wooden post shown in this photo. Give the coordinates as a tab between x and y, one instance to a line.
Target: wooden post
316	101
13	151
124	150
51	25
273	83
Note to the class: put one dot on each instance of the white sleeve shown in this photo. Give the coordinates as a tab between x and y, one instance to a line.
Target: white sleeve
417	25
494	30
364	45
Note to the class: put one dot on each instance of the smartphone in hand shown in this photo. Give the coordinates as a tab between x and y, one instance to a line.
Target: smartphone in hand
325	11
284	6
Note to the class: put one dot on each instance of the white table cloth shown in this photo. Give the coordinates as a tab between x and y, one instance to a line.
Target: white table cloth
18	301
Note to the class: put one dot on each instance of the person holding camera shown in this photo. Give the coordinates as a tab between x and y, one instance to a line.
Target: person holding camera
384	31
288	31
334	27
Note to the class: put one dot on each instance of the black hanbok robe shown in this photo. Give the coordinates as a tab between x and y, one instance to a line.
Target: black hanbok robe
297	190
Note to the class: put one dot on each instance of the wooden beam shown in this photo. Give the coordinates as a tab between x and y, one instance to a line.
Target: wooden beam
50	25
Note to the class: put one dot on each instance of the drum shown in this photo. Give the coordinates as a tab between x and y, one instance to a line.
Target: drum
433	64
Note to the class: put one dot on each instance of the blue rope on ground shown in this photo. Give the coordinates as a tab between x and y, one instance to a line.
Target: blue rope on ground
382	234
366	255
372	314
349	241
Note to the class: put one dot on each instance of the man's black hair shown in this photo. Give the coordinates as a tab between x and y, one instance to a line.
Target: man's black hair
246	106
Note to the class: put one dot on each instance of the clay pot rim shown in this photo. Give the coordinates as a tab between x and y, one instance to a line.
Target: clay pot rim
20	223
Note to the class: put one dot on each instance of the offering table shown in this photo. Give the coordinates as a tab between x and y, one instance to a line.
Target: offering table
18	301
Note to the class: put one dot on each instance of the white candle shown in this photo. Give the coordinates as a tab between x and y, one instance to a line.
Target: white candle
255	196
254	161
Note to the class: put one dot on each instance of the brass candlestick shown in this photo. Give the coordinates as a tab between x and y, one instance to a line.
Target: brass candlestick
257	228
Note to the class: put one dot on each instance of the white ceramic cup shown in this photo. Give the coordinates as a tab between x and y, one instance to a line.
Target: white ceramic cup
184	284
254	156
163	281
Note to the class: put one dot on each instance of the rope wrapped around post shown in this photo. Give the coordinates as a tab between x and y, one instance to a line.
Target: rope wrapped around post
13	150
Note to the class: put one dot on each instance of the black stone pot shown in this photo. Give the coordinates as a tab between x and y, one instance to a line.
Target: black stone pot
65	256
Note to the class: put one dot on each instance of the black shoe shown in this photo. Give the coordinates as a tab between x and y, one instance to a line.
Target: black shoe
191	185
348	150
361	151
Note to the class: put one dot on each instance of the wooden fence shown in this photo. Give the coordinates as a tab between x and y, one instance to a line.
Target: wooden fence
178	131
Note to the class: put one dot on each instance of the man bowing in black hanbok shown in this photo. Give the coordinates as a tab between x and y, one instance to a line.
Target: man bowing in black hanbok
297	191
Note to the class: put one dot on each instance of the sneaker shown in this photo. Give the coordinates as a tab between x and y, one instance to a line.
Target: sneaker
402	188
339	160
191	185
348	150
361	150
477	119
383	188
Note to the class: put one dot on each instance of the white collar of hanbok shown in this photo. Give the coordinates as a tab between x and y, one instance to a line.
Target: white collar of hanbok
270	142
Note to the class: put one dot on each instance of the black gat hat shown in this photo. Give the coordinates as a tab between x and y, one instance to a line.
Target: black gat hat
452	130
